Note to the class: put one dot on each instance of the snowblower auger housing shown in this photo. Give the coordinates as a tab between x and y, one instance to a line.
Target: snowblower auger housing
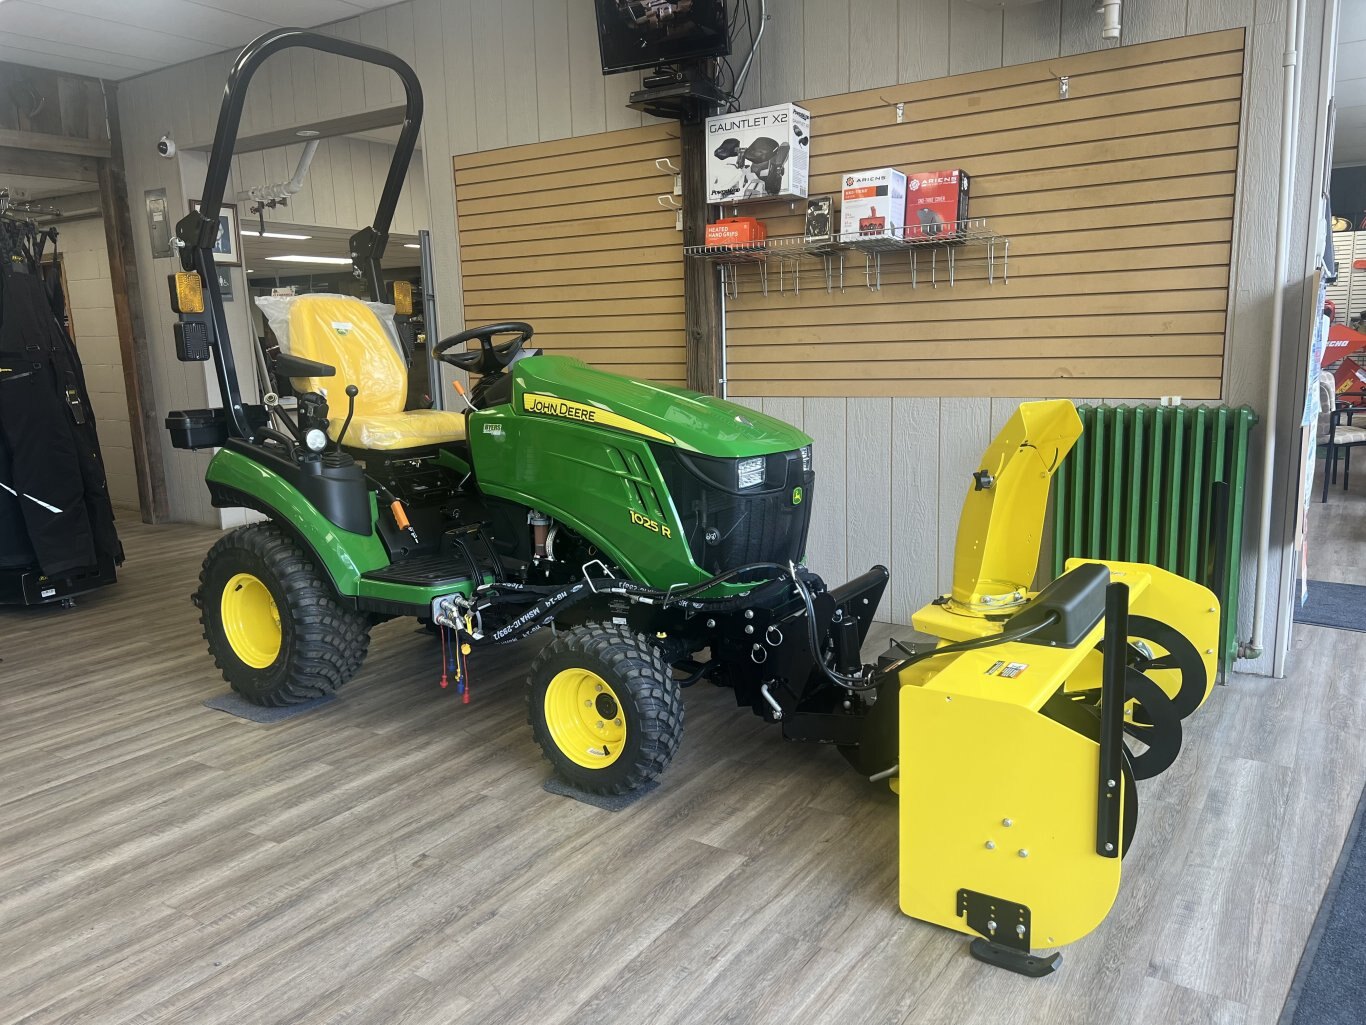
1017	789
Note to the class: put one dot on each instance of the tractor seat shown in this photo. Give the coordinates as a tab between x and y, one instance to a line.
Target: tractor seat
345	333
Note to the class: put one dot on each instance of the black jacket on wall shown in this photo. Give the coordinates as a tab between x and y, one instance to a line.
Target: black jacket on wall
55	512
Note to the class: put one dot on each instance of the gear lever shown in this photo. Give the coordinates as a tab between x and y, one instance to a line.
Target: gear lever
351	392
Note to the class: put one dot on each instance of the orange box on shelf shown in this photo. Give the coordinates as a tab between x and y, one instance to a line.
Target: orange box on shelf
736	231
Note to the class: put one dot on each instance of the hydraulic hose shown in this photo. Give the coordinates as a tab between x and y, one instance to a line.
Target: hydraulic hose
554	599
851	683
974	644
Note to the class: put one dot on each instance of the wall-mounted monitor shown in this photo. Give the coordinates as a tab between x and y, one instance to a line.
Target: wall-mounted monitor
636	34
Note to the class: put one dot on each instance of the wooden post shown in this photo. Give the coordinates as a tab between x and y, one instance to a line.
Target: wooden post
701	291
143	422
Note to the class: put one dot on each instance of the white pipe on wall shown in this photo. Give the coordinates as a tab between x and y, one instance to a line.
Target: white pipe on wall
266	193
1294	18
1109	10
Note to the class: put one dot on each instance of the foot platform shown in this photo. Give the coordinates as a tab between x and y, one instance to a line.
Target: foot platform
1021	962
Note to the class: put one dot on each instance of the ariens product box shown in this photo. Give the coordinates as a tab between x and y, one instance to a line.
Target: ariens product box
873	204
758	154
937	205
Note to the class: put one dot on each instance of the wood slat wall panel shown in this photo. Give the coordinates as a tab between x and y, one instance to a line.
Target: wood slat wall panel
1079	66
1119	388
1119	204
569	235
995	348
1059	327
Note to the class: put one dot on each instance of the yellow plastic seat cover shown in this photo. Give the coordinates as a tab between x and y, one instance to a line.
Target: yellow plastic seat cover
388	432
345	333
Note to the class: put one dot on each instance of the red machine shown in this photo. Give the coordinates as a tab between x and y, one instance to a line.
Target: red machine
1342	342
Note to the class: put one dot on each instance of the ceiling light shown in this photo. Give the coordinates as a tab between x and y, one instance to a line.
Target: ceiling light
308	133
275	234
296	258
411	245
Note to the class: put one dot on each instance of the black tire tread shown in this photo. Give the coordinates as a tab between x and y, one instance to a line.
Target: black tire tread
330	640
646	675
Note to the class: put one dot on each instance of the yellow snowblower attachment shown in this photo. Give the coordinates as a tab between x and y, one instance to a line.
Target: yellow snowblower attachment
1017	787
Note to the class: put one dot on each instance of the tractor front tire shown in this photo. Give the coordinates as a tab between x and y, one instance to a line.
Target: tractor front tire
604	708
274	625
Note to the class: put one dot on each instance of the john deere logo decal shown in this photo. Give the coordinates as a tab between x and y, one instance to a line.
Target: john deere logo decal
796	496
549	405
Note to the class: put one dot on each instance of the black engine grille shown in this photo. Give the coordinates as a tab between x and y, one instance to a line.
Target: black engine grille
726	527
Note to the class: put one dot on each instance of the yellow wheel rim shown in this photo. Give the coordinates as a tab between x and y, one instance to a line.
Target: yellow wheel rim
585	718
251	621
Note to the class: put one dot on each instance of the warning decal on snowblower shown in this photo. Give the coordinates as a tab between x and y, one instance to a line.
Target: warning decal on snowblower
548	405
1007	670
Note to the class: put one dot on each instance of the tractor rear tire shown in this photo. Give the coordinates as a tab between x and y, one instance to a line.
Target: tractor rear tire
274	625
604	708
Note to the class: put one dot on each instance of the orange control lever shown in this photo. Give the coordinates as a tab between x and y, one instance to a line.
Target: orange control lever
460	390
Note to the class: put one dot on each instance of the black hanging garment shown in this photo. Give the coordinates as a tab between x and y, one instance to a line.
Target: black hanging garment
57	533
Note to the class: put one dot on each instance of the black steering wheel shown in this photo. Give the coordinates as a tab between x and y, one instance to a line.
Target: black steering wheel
488	358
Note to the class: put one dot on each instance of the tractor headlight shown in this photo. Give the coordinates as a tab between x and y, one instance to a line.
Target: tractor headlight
806	459
316	440
751	472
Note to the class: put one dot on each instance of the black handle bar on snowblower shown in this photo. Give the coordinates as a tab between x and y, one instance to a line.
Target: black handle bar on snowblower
198	231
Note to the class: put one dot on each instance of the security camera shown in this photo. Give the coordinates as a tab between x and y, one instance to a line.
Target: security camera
166	146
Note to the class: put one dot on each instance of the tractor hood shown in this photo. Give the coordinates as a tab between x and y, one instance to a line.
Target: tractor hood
565	388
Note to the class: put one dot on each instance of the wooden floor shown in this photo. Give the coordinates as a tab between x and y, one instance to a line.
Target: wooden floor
392	858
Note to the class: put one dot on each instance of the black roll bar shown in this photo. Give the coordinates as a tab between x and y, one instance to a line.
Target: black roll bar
198	230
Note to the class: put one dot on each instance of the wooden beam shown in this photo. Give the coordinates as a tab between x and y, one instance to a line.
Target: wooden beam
701	289
44	143
62	166
143	422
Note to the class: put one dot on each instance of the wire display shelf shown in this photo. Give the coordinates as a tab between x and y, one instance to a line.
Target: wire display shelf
944	239
944	247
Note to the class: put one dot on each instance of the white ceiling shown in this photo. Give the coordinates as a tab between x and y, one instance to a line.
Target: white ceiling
1349	143
120	38
25	186
325	241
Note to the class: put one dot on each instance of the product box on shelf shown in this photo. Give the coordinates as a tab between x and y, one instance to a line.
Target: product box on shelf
873	204
937	204
758	154
736	231
820	228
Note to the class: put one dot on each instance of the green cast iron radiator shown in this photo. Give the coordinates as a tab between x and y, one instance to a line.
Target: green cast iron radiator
1163	485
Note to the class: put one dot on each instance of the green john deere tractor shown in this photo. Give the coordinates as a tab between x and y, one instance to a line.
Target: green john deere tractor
660	533
647	524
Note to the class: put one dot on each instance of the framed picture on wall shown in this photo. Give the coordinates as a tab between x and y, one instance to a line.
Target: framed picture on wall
227	249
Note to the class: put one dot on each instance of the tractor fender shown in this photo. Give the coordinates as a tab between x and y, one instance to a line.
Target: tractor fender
345	556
